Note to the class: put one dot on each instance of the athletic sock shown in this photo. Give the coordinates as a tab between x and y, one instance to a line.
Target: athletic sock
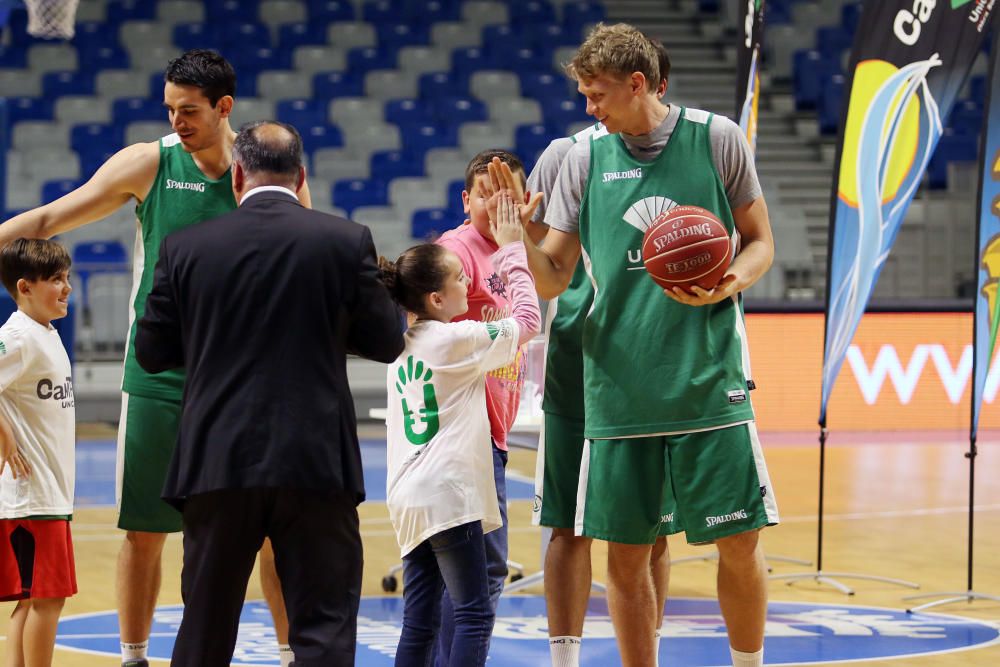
135	651
656	647
565	651
741	659
286	655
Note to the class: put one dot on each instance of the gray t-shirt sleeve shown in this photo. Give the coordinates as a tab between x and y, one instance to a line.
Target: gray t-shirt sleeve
563	212
543	176
731	155
734	161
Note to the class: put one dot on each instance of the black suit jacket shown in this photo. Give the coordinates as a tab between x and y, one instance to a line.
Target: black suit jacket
261	306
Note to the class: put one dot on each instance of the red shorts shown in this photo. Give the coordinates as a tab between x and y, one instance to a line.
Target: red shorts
36	559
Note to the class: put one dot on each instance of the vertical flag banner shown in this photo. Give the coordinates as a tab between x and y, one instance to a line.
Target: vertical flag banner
987	317
748	63
909	60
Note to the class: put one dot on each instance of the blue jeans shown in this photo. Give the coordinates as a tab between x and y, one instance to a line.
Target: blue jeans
454	560
496	566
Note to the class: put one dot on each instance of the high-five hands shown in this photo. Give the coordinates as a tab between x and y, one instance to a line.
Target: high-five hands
501	179
506	227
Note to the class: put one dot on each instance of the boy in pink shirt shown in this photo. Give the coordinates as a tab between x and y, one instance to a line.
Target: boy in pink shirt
489	300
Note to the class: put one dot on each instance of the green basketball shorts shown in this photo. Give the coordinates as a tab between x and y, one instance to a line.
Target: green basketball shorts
147	434
557	477
718	479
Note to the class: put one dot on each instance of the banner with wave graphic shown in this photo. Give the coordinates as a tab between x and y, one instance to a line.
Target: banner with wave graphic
909	60
751	27
987	308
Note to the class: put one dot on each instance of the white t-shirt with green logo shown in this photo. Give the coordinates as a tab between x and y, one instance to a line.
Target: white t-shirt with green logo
36	398
440	458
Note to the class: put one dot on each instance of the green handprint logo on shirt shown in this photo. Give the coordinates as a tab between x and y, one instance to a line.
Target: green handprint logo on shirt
422	424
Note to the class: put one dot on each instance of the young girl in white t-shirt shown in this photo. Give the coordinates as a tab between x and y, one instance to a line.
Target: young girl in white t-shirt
440	489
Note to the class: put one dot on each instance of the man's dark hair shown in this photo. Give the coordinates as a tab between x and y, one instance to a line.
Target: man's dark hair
478	165
203	69
31	259
259	149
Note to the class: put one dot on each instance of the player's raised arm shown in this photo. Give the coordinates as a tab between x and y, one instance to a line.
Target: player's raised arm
128	173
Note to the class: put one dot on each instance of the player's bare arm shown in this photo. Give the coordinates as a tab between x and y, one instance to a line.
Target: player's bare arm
553	263
127	174
753	260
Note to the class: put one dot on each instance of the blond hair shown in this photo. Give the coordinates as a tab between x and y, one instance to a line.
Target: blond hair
618	49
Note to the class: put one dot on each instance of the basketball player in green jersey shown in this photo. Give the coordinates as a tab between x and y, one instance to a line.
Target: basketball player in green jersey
180	180
665	379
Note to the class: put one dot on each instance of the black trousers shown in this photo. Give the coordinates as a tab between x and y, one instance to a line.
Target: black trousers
317	551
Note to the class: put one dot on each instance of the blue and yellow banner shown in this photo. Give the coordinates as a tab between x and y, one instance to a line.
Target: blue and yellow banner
987	307
751	27
909	60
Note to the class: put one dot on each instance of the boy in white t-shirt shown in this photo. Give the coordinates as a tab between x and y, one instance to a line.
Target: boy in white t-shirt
37	440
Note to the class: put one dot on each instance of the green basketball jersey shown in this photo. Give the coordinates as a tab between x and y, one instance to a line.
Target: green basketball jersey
181	196
651	364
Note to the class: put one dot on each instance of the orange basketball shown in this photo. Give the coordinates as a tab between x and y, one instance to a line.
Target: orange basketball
686	246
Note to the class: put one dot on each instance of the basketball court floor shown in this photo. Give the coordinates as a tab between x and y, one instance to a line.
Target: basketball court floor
896	507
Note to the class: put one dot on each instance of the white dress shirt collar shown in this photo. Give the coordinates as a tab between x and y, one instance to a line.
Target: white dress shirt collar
266	188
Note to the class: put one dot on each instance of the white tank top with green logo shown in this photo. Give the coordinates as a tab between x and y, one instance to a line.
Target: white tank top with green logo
181	196
651	364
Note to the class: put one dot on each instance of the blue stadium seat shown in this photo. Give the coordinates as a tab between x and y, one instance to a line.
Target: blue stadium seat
349	194
434	85
100	58
83	137
528	59
832	41
467	61
455	190
249	62
831	101
951	148
28	108
53	190
301	113
422	137
323	135
408	112
531	139
311	33
562	113
198	36
397	35
459	110
229	11
548	35
850	16
499	40
977	89
810	72
94	34
93	257
329	85
387	165
437	11
57	84
13	56
778	13
966	118
381	12
133	109
118	11
239	35
322	12
578	14
363	59
429	223
532	12
545	86
92	157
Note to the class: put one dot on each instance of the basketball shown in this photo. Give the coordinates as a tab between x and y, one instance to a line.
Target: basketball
686	246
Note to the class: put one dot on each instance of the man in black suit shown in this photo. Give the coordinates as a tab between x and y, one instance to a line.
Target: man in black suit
261	306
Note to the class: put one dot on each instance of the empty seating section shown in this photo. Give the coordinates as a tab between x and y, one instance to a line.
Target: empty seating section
808	43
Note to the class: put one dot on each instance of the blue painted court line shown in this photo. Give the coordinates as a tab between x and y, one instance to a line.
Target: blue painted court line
694	634
95	474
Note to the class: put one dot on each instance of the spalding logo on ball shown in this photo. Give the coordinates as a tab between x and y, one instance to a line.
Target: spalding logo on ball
687	246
